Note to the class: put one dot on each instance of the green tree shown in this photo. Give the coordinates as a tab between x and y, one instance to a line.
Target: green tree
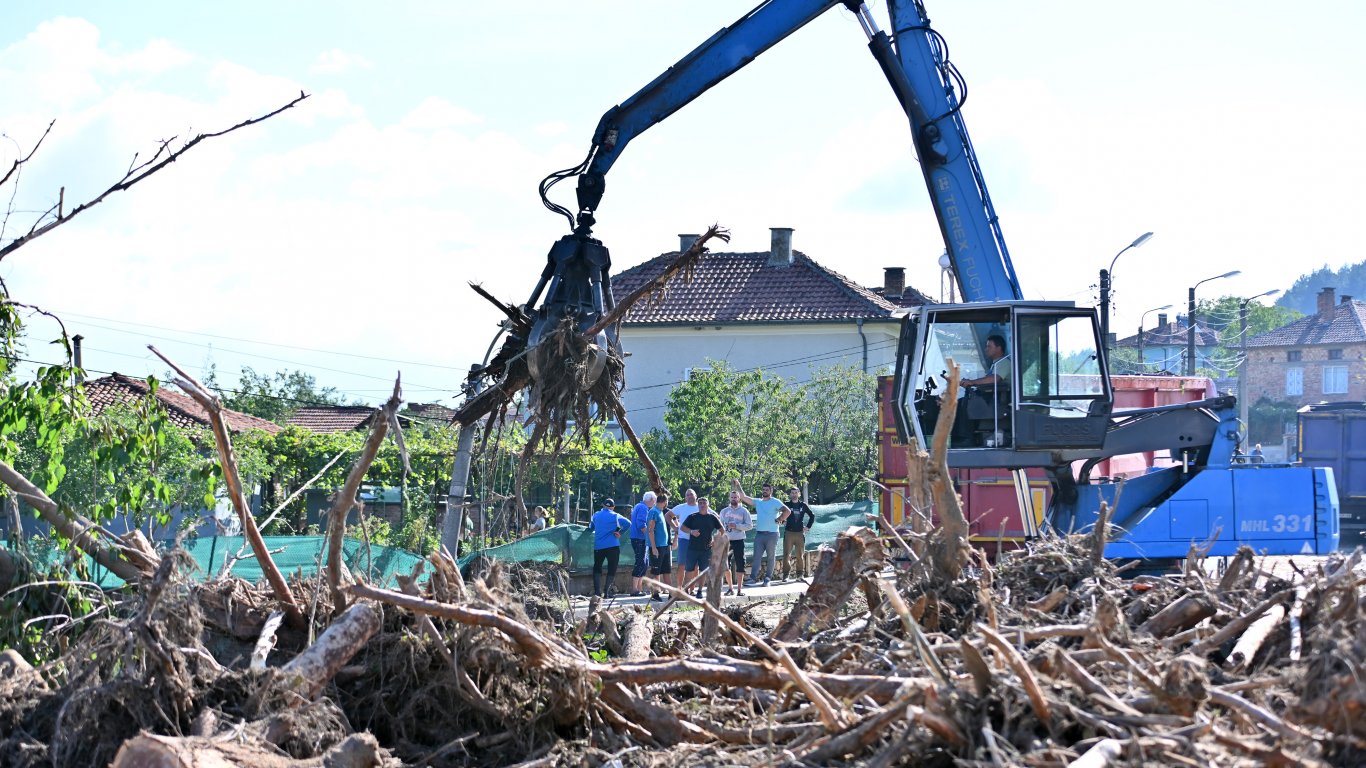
724	424
837	431
1224	316
273	397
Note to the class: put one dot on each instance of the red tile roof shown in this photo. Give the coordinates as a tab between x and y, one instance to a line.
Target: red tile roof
746	288
1173	334
332	418
180	408
429	412
1345	323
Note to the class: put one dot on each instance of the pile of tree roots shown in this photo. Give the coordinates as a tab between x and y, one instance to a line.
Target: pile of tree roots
1048	656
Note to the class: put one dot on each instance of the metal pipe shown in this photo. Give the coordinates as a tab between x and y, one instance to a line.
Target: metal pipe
864	339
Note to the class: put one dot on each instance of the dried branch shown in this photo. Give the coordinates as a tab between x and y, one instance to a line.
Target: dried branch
209	402
346	497
136	173
106	549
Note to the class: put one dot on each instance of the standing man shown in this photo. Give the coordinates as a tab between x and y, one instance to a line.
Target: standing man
657	534
702	526
607	529
737	520
676	517
766	517
797	524
640	516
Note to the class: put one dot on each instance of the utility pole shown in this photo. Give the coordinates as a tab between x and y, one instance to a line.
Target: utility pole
453	525
1105	290
1190	320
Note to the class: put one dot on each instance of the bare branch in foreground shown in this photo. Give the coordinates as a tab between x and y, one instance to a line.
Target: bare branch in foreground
137	172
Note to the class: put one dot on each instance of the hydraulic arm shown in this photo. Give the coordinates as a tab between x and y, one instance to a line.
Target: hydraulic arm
926	86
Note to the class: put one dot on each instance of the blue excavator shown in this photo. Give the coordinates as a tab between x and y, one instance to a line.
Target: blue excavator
1045	402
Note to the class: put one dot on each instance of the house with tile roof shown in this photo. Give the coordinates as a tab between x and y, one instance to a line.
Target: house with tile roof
348	418
778	310
1320	357
181	409
1163	349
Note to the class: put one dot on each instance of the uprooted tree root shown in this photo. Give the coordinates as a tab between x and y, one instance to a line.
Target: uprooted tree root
1041	657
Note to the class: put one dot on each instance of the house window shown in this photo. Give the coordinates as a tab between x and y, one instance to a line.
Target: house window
1293	356
1334	379
1294	381
1334	354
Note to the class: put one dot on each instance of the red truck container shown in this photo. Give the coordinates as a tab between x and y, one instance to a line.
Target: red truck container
995	513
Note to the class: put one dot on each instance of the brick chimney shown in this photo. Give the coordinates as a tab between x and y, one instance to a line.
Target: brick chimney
780	250
1162	321
893	282
1325	300
685	242
1346	299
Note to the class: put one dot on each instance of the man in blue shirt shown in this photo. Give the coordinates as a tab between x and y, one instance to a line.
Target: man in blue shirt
657	534
768	513
639	517
607	529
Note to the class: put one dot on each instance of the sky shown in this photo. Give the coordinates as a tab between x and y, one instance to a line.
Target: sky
339	238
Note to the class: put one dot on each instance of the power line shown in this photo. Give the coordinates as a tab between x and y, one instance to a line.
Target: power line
249	341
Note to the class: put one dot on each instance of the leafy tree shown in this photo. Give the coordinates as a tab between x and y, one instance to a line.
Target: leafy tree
273	397
837	430
1224	316
1124	360
724	424
1268	419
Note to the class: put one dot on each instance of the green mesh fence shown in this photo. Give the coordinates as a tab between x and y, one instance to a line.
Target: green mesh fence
572	545
292	555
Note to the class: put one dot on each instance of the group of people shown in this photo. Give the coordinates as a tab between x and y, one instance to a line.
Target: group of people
675	544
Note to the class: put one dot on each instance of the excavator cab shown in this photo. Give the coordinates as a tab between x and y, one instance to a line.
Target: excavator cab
1034	373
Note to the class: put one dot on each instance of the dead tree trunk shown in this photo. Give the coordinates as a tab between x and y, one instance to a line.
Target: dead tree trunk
720	553
148	750
308	672
857	551
637	636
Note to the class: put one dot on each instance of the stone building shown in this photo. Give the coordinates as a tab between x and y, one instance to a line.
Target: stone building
1318	358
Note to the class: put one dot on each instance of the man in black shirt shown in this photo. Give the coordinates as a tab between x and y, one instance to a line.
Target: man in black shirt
796	524
701	526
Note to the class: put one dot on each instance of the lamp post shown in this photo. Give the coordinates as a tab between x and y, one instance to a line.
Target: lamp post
1242	360
1105	289
1190	320
1143	363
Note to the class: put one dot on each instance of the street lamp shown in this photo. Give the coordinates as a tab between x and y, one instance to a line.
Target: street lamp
1190	320
1143	363
1242	360
1105	289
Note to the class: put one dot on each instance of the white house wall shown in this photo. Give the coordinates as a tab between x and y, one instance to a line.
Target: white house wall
658	357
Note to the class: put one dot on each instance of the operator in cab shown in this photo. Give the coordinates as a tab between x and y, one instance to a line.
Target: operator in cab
983	418
998	365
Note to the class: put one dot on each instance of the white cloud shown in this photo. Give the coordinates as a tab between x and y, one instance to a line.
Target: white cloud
338	62
436	113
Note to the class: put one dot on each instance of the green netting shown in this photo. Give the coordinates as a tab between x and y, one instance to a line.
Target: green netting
572	545
292	555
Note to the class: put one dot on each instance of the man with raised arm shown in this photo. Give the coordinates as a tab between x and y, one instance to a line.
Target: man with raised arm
768	514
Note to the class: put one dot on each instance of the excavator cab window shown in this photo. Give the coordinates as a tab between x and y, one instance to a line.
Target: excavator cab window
1031	375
